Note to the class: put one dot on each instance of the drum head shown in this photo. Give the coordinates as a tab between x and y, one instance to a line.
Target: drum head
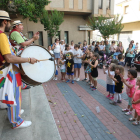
42	71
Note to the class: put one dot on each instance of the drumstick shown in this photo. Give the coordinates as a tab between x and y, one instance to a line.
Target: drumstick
51	59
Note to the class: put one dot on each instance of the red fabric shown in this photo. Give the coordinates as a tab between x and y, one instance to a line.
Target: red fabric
1	79
8	102
9	77
18	78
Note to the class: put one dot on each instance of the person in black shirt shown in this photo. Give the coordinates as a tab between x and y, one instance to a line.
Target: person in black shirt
70	67
119	70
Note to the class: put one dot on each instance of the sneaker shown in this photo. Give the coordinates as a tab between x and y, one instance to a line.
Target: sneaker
21	111
55	78
24	124
84	79
27	87
78	79
72	82
125	110
74	78
94	89
113	103
68	81
108	96
111	98
128	113
119	101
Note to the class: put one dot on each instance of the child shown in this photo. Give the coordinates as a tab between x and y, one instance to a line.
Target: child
86	57
130	89
118	83
136	104
78	55
121	60
63	67
70	67
88	69
94	71
56	72
110	82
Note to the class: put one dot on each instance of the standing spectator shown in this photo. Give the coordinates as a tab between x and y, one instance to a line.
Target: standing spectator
84	46
137	46
57	51
132	42
107	46
78	55
72	45
129	55
62	45
102	48
97	48
79	43
50	50
67	50
119	50
112	48
92	47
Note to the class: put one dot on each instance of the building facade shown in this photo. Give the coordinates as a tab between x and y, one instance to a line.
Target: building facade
74	27
130	10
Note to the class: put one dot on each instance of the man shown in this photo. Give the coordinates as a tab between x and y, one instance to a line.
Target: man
17	38
7	56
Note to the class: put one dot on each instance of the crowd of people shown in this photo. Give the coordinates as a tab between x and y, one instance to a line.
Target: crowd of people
70	58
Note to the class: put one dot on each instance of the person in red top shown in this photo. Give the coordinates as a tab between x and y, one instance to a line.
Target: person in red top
7	56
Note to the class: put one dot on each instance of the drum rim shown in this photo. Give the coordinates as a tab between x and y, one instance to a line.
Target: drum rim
39	83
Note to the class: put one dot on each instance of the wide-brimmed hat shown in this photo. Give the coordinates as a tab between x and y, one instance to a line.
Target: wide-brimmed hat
4	15
16	22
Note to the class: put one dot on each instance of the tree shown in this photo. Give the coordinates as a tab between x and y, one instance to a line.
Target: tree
106	26
52	22
31	9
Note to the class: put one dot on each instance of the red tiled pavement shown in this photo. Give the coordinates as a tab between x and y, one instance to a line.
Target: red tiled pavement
69	126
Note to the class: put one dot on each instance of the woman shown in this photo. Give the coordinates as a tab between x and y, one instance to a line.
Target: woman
91	48
72	45
129	55
97	48
119	50
57	51
84	46
112	48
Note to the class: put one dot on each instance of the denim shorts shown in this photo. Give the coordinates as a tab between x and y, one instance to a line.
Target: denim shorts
111	88
77	65
70	73
63	70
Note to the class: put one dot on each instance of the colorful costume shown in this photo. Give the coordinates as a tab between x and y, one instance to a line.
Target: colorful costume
15	79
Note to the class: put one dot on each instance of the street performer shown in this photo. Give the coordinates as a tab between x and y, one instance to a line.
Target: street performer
19	41
8	57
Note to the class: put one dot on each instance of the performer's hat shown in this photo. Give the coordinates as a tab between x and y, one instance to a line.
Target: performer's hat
16	22
4	15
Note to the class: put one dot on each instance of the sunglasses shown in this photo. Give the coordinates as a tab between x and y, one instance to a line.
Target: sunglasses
67	55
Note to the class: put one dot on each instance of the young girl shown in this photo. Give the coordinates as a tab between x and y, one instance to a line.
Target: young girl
118	83
86	57
78	55
56	72
136	104
94	71
70	67
109	81
63	67
130	89
88	69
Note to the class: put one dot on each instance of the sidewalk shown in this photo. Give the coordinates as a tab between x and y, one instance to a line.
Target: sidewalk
37	109
74	110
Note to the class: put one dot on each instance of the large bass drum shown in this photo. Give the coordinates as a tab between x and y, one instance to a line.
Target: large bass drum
40	72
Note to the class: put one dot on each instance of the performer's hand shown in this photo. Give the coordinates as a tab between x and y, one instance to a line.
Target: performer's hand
36	36
33	60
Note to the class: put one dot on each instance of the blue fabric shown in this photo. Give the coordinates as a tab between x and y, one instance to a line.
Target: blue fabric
77	65
57	55
130	101
111	88
63	70
70	73
116	54
56	72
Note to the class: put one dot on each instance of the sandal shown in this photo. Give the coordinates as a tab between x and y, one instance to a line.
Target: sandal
135	123
132	119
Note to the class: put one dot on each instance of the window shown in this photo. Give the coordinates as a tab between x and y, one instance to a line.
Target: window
49	40
108	4
126	9
100	4
30	34
40	40
66	37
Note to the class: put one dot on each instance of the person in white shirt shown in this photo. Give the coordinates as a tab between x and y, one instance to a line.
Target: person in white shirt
102	48
50	50
57	51
72	45
67	50
112	48
78	55
62	45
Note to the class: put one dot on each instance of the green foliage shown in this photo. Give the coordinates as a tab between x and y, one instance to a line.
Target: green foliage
106	26
52	22
31	9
